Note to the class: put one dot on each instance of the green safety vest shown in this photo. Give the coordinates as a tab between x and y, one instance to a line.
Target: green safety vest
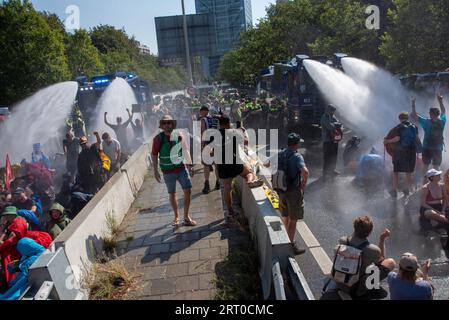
165	161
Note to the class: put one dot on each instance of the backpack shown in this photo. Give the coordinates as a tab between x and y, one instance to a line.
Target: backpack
337	135
408	135
279	180
346	269
436	133
106	162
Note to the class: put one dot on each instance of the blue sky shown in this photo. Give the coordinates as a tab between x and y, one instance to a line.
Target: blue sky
136	16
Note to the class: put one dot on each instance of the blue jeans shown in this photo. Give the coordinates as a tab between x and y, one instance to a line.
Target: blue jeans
182	177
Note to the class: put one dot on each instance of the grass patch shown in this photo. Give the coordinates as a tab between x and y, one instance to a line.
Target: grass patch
110	281
112	224
238	276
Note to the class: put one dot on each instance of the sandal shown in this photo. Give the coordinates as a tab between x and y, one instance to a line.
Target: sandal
255	184
190	223
175	223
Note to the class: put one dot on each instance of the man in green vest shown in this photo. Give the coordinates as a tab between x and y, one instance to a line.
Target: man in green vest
59	220
175	166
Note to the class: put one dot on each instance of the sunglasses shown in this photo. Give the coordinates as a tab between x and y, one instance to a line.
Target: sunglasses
166	123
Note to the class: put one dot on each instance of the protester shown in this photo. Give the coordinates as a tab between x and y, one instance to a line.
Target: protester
410	283
90	166
59	220
11	212
291	201
332	135
112	149
371	254
71	147
39	157
174	170
138	130
232	139
29	251
120	130
434	198
21	201
433	144
370	171
208	123
352	153
404	157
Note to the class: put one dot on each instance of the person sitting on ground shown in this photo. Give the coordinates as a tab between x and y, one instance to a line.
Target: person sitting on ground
370	170
59	220
371	254
29	251
352	153
228	171
22	202
411	282
434	198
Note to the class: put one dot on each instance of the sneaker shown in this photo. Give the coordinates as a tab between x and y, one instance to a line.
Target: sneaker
217	185
297	250
206	189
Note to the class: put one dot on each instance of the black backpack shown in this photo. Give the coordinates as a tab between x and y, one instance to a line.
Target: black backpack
436	133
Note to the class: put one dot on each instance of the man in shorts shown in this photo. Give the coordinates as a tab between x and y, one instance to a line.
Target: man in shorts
404	157
174	169
234	167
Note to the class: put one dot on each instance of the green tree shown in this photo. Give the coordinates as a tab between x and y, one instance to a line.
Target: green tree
32	55
418	38
84	58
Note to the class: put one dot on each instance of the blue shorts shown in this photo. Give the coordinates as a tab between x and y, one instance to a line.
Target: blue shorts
184	180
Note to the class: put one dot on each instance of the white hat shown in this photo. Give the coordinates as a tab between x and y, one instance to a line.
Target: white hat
433	173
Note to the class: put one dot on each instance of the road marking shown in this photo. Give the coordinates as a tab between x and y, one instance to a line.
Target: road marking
322	259
307	235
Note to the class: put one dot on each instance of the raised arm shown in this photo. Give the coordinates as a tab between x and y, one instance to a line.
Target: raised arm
441	102
106	120
414	113
98	143
129	119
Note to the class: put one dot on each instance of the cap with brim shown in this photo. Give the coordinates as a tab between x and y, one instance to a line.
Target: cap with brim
293	139
19	191
409	262
433	173
10	211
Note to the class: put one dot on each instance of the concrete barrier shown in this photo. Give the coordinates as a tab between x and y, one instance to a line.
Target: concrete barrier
81	240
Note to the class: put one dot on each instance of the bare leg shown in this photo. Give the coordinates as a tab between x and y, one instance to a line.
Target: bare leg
292	229
206	173
187	196
435	216
395	181
409	181
174	205
227	188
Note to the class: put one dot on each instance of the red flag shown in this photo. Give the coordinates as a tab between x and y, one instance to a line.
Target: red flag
9	177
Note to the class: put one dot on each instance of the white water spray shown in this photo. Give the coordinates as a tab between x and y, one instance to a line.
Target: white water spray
38	119
118	97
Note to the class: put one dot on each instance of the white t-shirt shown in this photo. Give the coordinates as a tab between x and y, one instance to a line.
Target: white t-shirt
112	149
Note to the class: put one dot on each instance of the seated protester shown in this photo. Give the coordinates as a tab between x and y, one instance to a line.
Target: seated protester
228	171
370	169
17	230
410	283
10	213
434	199
59	220
371	254
352	153
29	251
21	201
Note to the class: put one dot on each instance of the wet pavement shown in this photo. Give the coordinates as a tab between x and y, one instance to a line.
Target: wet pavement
331	208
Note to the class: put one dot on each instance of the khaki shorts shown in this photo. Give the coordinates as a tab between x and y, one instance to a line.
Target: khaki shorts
291	204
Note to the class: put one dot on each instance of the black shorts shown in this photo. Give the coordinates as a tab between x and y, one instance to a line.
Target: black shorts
404	160
434	157
229	171
438	207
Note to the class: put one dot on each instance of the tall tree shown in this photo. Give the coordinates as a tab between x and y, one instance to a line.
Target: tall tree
84	57
418	38
31	55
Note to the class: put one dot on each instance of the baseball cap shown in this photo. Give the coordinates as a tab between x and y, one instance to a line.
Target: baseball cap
83	140
19	191
409	262
293	139
433	173
10	211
